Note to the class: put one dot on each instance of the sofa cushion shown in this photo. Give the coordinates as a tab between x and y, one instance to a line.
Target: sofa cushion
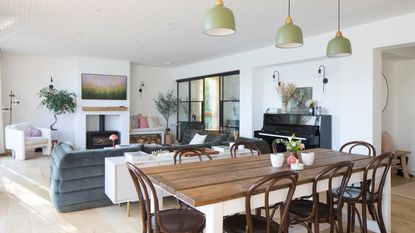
143	122
30	141
153	122
198	139
135	121
35	132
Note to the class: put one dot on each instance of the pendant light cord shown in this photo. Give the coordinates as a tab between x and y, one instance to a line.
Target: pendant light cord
338	15
289	8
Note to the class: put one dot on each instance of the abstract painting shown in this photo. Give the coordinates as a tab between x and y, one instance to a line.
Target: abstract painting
301	95
104	87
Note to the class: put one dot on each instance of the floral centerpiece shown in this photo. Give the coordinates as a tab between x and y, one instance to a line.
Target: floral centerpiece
294	147
286	92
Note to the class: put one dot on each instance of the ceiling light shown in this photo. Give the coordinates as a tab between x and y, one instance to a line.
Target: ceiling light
219	21
339	46
289	35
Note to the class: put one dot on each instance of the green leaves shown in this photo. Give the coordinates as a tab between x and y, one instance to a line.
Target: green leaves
166	104
57	101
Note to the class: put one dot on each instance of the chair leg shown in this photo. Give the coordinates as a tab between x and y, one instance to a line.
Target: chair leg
364	219
380	220
371	209
349	217
353	216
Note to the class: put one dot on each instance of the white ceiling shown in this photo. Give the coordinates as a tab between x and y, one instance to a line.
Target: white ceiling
167	32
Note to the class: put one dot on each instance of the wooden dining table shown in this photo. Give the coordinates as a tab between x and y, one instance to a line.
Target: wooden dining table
218	187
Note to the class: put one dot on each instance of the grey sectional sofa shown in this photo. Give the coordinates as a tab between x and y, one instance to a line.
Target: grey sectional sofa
77	177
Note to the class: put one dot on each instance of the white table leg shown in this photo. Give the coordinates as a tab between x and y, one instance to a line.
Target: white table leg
214	217
159	194
387	202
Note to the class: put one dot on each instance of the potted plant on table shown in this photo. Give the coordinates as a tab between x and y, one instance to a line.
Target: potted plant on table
294	148
57	102
166	104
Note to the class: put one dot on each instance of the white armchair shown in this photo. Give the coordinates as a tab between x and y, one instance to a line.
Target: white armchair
18	140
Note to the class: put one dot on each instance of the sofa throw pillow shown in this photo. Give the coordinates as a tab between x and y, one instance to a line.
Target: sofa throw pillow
143	122
198	139
135	121
35	132
387	143
153	122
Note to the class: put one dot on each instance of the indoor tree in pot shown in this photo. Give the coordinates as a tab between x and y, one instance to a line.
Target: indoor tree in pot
57	102
166	104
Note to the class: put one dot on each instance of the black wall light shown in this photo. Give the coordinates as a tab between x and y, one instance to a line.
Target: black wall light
276	74
51	83
322	70
140	89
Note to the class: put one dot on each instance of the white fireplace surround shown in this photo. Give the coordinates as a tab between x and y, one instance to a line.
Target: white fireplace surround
115	120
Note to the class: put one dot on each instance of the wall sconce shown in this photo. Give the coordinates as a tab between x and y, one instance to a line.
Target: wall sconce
322	70
140	89
12	101
278	79
51	83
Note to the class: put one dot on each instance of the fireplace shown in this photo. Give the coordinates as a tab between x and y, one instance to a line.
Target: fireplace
100	138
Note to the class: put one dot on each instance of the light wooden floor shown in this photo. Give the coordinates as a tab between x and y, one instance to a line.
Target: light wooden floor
25	206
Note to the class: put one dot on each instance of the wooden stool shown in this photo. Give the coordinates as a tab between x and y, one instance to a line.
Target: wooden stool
402	155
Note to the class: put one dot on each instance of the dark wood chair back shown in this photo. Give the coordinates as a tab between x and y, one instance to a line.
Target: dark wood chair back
190	152
286	178
380	163
353	144
146	192
274	146
248	145
341	170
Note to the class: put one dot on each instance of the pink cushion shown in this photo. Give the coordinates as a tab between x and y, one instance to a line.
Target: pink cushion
143	122
387	143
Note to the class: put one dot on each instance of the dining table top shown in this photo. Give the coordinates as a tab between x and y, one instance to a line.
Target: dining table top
220	180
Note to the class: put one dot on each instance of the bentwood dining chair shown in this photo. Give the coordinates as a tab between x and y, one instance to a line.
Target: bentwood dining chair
247	145
249	223
369	194
171	220
187	153
350	146
190	152
310	213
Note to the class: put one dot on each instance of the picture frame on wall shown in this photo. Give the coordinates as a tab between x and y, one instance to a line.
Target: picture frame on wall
103	87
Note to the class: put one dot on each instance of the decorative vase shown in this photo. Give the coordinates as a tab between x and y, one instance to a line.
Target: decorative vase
311	110
284	107
292	158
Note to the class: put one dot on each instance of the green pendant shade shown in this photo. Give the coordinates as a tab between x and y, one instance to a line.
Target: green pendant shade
339	46
219	21
289	35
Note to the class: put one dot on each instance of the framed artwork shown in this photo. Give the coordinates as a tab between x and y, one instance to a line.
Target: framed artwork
301	95
104	87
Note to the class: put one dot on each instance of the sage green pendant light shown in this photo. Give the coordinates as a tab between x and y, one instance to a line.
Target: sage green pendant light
339	46
289	35
219	21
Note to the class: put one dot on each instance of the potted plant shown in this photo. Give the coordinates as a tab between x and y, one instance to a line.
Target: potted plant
294	147
57	102
166	104
286	92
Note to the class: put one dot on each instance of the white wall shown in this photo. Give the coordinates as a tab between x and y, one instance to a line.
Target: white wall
26	75
359	93
156	80
398	118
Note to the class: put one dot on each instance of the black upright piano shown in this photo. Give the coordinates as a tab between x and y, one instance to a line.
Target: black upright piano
313	130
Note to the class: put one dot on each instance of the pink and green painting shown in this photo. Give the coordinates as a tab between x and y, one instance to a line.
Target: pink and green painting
104	87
